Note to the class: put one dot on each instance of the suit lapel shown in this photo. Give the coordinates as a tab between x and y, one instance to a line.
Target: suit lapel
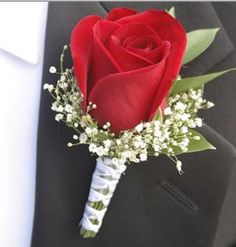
63	174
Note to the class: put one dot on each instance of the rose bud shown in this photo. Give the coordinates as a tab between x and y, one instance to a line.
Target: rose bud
127	63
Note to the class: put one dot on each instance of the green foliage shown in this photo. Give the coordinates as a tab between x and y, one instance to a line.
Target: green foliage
183	85
197	42
171	11
197	143
159	115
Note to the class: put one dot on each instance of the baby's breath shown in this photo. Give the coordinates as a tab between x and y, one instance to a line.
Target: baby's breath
168	134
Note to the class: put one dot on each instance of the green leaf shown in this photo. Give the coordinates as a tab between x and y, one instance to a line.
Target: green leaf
197	42
199	145
159	115
171	11
185	84
196	145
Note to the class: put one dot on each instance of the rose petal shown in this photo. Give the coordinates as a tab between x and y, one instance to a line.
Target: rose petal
134	29
118	13
103	62
82	50
154	56
173	63
153	18
161	21
140	43
123	99
127	60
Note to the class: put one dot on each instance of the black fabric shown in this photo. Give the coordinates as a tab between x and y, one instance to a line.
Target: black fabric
153	205
223	90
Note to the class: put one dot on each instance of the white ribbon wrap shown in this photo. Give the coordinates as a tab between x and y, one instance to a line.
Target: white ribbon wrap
105	178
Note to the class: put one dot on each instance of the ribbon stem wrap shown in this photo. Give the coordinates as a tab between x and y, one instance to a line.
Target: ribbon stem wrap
105	179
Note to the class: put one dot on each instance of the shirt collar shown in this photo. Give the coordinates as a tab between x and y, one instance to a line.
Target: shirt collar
20	29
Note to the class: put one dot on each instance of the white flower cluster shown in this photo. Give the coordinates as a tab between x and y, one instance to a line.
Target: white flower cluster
169	133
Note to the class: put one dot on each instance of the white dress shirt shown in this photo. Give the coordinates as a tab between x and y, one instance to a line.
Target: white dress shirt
22	33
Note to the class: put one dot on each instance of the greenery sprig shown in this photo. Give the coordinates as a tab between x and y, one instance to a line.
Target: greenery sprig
170	133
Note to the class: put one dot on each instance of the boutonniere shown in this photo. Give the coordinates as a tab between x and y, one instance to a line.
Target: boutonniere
124	96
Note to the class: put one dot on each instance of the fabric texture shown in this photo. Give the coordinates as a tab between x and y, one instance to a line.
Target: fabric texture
153	204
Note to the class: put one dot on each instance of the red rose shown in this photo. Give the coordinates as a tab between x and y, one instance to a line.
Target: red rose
126	63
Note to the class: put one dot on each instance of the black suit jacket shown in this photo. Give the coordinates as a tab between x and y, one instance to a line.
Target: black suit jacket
153	205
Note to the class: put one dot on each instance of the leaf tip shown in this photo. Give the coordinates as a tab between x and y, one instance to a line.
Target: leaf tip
212	147
171	11
216	30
